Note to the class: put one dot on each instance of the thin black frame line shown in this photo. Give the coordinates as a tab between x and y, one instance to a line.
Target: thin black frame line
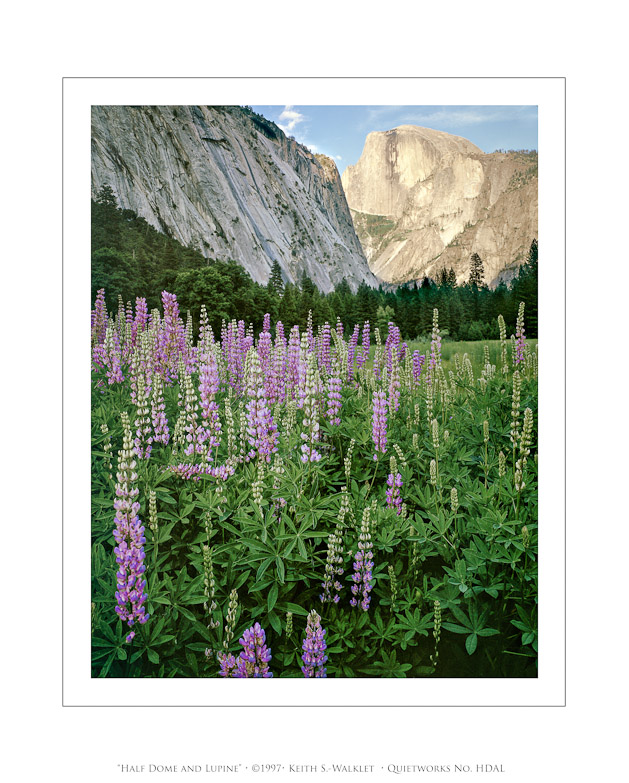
267	706
302	78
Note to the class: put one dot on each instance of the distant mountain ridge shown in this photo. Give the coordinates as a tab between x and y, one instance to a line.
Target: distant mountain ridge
230	182
423	199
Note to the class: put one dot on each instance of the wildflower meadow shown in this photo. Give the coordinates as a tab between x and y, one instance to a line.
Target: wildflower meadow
312	503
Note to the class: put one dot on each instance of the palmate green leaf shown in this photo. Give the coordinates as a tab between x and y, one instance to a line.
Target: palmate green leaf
471	643
105	670
275	622
296	609
272	597
455	628
264	565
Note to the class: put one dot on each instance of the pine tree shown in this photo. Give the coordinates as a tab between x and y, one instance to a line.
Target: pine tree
477	273
276	282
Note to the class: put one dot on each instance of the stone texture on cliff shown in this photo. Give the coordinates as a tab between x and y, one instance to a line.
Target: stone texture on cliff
231	183
423	199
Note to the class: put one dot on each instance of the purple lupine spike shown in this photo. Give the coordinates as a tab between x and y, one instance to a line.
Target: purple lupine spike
227	663
363	566
277	387
189	471
418	363
519	336
394	497
351	353
254	659
266	323
379	426
333	566
158	412
293	362
130	540
209	384
363	354
141	318
335	400
394	387
311	413
261	428
314	648
323	349
99	318
112	356
435	348
393	341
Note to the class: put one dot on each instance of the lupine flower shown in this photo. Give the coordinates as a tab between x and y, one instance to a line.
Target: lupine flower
394	387
363	565
435	348
351	353
158	414
334	561
293	362
363	354
379	426
277	392
99	318
196	435
418	363
209	384
194	472
314	647
391	345
254	659
394	498
310	421
520	339
143	438
261	429
130	540
111	356
172	343
334	400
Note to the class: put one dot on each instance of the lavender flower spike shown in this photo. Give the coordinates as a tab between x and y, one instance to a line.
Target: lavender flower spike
363	565
254	659
394	498
130	540
379	418
314	647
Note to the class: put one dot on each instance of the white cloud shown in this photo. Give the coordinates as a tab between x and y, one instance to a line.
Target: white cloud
289	119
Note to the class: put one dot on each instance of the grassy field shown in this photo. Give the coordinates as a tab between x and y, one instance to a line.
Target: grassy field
474	350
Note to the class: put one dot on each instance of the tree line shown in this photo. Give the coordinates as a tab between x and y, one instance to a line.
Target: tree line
130	258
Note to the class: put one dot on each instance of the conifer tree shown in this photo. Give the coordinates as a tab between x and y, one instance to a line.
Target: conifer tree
276	282
477	273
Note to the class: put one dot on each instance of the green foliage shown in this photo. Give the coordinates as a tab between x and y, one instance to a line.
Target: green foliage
130	258
475	560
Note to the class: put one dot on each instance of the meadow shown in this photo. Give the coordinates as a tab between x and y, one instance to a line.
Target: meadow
310	503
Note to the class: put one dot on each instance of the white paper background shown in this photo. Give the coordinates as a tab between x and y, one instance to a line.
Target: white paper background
46	740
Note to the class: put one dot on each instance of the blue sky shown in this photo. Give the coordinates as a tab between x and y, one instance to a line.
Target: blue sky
340	131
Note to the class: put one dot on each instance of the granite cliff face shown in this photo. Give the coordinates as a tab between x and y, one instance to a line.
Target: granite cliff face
230	182
423	199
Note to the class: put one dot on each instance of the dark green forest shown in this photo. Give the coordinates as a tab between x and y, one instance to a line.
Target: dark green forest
131	259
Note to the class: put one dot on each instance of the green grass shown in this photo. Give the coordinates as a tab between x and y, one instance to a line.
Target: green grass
474	349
